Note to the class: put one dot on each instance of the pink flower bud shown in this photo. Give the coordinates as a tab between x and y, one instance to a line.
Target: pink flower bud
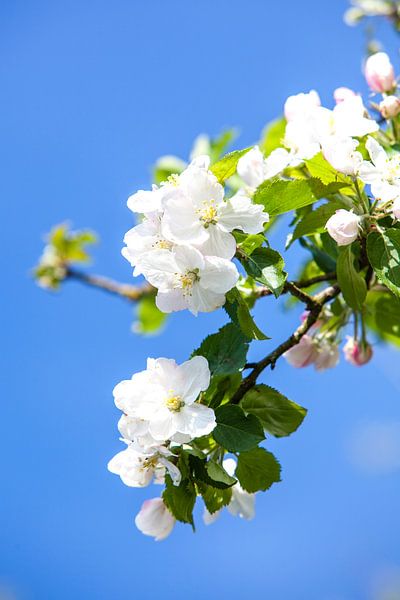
390	107
379	72
154	519
396	208
303	354
355	353
343	227
343	93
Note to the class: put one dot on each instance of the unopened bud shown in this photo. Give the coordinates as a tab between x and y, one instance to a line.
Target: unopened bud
379	72
356	353
390	107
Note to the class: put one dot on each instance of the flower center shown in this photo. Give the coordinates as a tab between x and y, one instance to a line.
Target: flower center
150	463
208	213
392	170
173	179
163	244
188	279
174	403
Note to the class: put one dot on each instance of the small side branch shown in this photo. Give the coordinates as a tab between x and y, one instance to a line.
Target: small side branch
131	293
318	302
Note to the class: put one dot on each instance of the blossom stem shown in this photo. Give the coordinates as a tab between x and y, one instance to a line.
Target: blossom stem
131	293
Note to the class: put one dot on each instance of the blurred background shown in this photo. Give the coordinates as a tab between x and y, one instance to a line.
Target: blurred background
92	93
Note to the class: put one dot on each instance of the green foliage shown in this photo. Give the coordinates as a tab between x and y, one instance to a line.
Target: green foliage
211	473
236	431
226	167
278	415
180	499
221	389
266	266
351	282
383	250
167	166
314	221
214	499
257	470
321	258
383	315
239	312
319	167
150	319
272	136
280	196
248	243
225	351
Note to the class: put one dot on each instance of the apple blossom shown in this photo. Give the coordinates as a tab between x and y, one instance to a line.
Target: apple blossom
302	354
342	155
187	279
347	119
357	353
253	168
300	105
154	519
342	93
396	208
379	72
382	172
196	213
144	238
137	469
164	396
389	107
327	355
343	227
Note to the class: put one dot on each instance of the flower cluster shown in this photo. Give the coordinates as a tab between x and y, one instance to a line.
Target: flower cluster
184	246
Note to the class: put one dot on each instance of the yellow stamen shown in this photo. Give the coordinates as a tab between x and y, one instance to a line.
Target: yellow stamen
174	403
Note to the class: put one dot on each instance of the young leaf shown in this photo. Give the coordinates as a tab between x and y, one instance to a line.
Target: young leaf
383	251
239	312
272	136
235	431
149	318
278	415
225	351
315	221
210	473
279	196
214	499
248	242
180	499
226	167
257	470
266	266
319	167
352	283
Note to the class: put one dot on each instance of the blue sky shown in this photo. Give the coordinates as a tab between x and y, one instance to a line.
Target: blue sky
92	93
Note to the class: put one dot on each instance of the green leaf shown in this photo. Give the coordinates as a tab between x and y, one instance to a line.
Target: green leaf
167	166
214	499
383	315
210	473
149	318
180	499
278	415
272	136
239	312
323	260
352	283
225	351
235	431
315	221
383	251
217	473
279	196
226	167
248	242
257	470
221	388
319	167
266	266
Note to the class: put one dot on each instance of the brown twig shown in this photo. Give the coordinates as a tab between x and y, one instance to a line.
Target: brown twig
129	292
315	307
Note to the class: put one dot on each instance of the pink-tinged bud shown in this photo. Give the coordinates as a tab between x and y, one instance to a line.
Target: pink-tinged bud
396	208
379	73
154	519
390	107
327	356
343	227
343	93
355	353
303	354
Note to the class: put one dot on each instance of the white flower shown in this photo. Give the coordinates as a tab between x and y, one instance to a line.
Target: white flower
147	201
154	519
165	397
302	354
396	208
301	138
137	469
379	72
241	504
342	155
389	107
144	238
253	168
300	105
343	227
187	279
342	93
327	355
382	173
347	119
196	213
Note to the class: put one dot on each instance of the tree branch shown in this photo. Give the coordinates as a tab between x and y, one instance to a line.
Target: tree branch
132	293
315	309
